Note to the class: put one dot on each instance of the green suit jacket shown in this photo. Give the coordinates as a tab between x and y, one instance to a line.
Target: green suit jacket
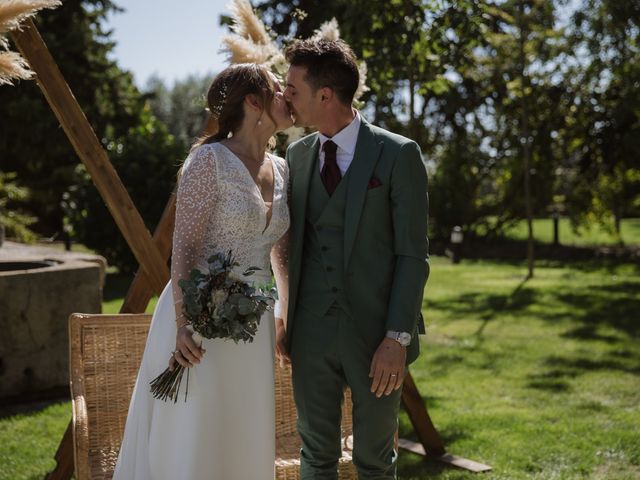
385	234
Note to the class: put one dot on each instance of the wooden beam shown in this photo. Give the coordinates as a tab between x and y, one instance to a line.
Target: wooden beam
64	458
90	151
453	460
417	410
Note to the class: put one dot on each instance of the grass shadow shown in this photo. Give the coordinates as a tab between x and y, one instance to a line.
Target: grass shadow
485	305
614	306
30	407
563	369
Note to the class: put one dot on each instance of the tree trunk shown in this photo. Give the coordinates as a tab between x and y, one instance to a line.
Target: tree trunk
556	229
525	134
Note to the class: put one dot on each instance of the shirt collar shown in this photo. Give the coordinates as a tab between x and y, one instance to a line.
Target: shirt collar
346	138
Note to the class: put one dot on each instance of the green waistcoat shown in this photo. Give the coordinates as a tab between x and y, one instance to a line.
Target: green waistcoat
322	276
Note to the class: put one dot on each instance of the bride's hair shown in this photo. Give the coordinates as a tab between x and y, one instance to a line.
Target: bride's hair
226	96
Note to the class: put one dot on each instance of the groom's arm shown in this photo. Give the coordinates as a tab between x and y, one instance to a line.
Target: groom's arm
409	211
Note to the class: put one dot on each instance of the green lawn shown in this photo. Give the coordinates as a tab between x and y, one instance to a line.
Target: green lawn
595	235
539	380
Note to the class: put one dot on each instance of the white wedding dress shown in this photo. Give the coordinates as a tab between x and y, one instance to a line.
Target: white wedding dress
226	428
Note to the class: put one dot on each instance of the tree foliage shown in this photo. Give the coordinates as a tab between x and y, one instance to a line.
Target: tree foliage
32	144
181	107
15	222
449	75
143	152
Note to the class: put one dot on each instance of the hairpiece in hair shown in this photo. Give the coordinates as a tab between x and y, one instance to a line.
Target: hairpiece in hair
219	106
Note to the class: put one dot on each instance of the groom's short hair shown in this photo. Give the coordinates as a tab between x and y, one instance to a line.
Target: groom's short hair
329	63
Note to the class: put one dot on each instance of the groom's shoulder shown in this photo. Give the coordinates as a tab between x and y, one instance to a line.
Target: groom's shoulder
390	139
302	143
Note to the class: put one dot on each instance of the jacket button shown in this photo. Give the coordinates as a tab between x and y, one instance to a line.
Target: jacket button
334	289
330	269
324	248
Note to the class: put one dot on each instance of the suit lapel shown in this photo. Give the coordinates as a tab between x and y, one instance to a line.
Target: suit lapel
365	158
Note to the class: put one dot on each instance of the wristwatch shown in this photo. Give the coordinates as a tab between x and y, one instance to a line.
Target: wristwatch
403	338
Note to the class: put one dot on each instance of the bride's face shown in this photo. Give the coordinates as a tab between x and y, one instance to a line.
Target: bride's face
280	109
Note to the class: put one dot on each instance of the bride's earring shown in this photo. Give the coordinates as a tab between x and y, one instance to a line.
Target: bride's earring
259	122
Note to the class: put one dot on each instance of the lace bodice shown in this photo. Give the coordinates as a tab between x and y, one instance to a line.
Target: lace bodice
220	208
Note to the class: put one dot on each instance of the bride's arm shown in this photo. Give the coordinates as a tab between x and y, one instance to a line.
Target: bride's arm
195	201
280	266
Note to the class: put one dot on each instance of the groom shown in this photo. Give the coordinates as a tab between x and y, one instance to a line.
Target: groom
358	264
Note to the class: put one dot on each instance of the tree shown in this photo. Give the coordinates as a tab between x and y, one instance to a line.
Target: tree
498	91
413	50
182	107
604	122
32	144
14	222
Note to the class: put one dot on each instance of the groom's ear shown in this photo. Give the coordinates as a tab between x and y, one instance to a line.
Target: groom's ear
326	94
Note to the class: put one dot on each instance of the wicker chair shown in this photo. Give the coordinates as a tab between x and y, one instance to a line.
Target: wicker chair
288	441
105	353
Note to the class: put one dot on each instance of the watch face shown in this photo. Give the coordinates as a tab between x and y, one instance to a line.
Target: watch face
404	338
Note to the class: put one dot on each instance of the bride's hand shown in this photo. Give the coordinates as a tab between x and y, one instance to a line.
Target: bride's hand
187	353
281	351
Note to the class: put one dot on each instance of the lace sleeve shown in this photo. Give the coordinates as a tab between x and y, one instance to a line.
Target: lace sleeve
280	253
195	201
280	266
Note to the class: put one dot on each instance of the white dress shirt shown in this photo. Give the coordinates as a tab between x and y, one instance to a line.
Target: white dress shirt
346	140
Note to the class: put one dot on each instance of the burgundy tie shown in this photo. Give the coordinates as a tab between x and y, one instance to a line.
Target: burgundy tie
330	173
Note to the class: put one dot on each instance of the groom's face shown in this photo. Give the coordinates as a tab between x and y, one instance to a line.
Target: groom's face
303	100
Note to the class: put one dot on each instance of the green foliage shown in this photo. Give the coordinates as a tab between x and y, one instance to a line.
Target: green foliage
12	219
143	152
603	123
147	159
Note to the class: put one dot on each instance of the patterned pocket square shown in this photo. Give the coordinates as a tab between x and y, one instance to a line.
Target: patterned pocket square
373	183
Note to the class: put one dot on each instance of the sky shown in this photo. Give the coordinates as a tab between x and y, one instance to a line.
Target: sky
168	38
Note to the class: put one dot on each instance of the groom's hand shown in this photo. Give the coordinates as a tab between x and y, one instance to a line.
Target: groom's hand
387	367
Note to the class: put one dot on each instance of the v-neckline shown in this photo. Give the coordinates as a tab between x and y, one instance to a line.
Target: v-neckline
257	187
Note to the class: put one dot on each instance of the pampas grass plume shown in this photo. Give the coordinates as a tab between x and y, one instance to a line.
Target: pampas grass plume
13	12
13	67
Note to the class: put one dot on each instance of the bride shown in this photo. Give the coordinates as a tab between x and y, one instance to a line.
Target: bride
231	196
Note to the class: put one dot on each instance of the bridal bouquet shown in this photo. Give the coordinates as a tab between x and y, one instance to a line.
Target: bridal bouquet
216	305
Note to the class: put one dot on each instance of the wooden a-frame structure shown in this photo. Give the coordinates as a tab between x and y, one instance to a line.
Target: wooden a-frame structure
153	252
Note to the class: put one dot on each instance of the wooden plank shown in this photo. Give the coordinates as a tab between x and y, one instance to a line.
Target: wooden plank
459	462
64	458
90	151
420	419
